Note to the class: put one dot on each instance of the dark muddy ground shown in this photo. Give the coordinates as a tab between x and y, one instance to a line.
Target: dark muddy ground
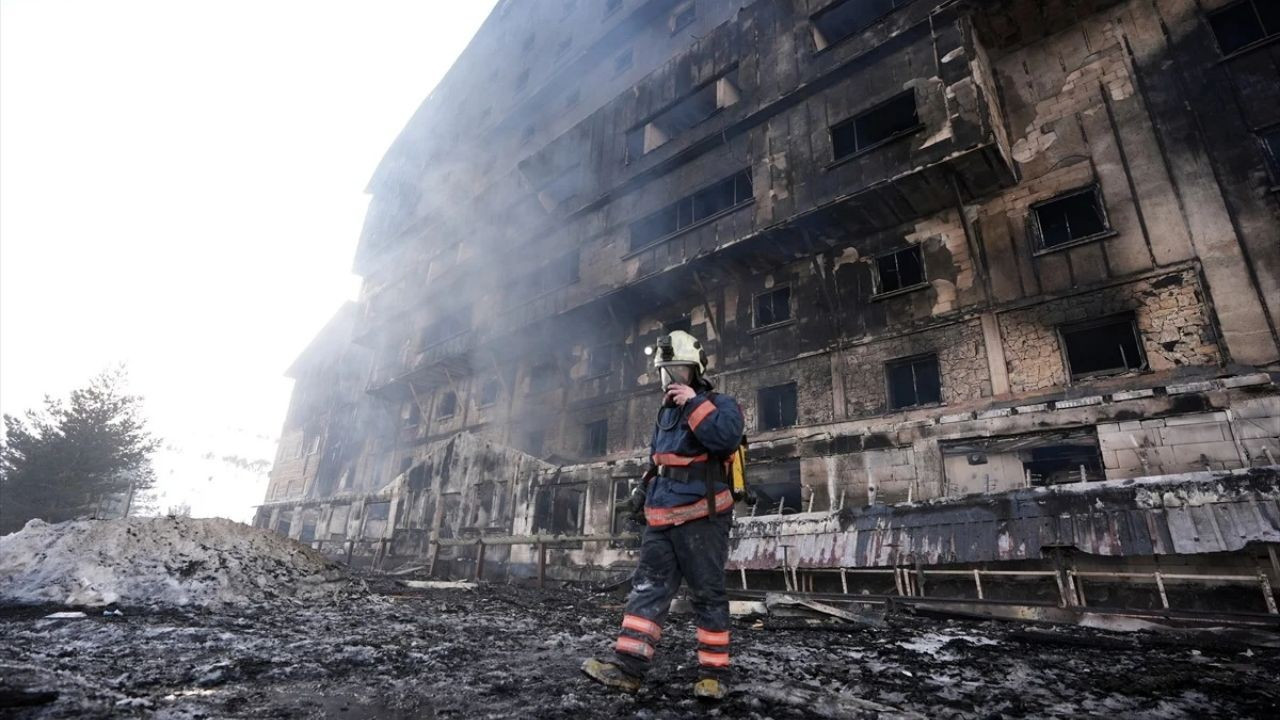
503	652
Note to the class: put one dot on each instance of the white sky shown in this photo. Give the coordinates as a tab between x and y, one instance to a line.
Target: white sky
181	190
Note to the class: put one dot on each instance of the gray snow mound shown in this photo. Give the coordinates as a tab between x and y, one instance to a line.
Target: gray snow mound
172	562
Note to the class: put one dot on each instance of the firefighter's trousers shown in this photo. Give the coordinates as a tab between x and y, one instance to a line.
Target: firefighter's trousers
694	552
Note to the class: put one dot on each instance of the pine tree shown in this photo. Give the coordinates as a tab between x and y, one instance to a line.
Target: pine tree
87	457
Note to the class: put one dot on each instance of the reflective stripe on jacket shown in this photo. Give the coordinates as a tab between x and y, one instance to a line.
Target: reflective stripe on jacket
707	429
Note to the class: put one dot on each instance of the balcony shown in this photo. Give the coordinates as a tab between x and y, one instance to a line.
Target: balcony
432	366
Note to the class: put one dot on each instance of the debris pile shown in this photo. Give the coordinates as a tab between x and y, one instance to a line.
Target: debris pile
172	562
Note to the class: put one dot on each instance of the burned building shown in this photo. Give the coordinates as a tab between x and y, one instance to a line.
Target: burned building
996	283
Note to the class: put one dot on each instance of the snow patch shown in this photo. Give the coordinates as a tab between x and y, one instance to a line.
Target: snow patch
160	561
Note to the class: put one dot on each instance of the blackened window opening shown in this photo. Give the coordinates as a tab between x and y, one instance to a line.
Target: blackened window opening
558	509
846	18
693	209
489	392
778	487
542	378
600	360
449	326
596	438
1244	23
448	405
619	521
777	406
684	115
1107	346
1059	464
882	123
900	270
1072	217
773	307
914	381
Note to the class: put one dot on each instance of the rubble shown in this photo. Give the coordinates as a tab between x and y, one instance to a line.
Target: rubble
506	652
170	562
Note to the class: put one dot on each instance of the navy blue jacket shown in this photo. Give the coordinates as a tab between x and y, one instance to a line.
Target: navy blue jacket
706	427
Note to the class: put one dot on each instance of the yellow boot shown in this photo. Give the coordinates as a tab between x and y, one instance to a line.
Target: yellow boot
610	675
709	689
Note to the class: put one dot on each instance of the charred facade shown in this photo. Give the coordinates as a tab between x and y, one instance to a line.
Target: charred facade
1021	248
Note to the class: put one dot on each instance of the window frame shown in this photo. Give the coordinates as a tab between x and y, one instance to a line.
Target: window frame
1266	39
694	224
853	119
912	360
760	419
1129	318
814	30
592	353
484	386
589	449
1037	230
755	309
453	410
729	75
879	293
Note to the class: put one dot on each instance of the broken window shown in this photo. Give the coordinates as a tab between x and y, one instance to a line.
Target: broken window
595	440
777	406
1014	461
542	378
1244	23
882	123
683	16
913	381
777	486
1072	217
686	113
376	515
900	270
558	509
313	446
773	307
447	405
1101	347
489	392
599	360
701	206
622	62
846	18
282	525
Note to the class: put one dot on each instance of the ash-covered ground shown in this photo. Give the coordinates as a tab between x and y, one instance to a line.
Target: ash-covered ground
504	652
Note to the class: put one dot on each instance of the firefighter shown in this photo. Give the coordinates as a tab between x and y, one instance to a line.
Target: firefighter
688	509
